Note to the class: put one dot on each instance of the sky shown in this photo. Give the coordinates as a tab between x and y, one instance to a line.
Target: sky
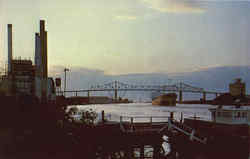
131	36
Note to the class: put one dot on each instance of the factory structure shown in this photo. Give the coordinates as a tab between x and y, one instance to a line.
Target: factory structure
238	88
24	77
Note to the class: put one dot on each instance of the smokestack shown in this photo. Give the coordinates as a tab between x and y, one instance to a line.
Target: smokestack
43	55
38	59
9	48
42	44
38	66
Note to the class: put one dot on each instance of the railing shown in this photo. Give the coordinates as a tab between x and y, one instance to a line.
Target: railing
186	130
150	118
233	120
241	119
132	126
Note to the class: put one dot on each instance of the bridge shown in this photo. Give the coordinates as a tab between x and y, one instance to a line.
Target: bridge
116	86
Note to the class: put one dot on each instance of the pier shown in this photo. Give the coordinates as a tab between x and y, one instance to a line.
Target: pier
129	139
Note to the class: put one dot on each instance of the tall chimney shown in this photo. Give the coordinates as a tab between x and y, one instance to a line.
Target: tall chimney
38	66
9	48
42	44
46	55
43	53
38	59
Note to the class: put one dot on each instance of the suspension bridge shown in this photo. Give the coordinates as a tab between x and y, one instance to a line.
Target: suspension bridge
117	86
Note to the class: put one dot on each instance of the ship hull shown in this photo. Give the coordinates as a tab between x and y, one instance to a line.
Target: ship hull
165	100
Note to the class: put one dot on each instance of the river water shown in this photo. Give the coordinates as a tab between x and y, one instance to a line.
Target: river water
114	111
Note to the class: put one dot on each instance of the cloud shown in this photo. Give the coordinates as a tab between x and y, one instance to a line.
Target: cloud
175	6
125	17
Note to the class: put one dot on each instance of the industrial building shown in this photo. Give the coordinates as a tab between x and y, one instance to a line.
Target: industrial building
236	96
26	78
22	77
238	88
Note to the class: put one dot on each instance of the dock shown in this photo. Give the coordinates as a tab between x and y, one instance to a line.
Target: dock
142	140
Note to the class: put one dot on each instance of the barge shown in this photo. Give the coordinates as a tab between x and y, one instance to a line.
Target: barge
165	100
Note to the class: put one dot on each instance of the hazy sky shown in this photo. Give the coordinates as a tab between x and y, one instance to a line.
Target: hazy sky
131	36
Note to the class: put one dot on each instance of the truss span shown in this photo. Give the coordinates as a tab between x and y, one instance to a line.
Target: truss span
117	85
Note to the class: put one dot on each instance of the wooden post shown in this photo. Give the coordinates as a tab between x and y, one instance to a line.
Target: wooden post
181	117
204	97
131	123
172	115
169	124
116	92
103	117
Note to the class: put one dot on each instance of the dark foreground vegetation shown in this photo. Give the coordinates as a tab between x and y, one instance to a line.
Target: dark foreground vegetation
29	130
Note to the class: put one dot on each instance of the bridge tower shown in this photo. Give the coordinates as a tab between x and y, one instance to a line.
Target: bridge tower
116	96
180	97
180	93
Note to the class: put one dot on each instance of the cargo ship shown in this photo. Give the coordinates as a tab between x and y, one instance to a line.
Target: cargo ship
165	100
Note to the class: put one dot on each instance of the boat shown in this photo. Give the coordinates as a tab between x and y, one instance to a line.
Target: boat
233	115
165	100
